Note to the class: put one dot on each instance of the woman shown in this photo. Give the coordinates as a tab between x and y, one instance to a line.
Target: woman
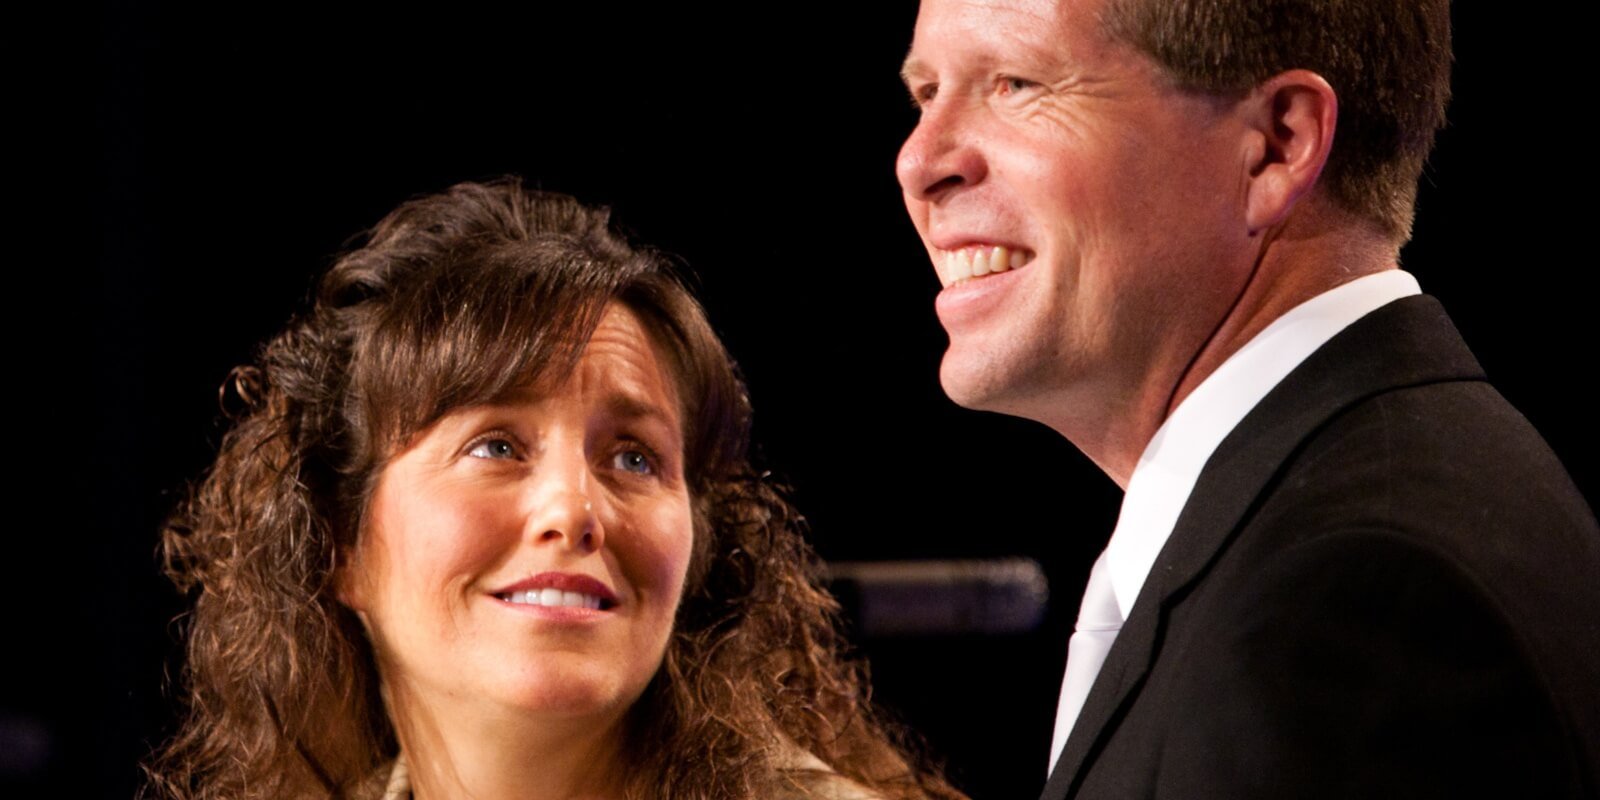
485	526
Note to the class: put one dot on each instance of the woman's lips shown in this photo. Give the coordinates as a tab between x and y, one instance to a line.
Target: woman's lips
559	590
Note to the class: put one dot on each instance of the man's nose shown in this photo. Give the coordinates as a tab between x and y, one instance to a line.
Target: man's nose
940	156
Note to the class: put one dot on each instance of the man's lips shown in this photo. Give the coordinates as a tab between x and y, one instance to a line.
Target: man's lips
559	589
976	260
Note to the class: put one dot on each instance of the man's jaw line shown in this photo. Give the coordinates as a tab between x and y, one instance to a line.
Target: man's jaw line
971	299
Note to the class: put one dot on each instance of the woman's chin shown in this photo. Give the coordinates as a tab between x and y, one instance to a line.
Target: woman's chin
570	692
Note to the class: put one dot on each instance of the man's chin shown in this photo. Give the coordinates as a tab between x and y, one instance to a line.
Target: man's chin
1011	381
971	383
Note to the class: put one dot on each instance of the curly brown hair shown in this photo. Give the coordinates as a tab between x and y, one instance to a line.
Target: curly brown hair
457	299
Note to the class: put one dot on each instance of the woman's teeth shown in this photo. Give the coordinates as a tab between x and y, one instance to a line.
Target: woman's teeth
553	597
976	262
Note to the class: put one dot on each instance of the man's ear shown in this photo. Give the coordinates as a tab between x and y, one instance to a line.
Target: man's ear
1291	118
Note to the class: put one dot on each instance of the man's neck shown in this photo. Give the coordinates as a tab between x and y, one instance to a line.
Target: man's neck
1308	256
1288	273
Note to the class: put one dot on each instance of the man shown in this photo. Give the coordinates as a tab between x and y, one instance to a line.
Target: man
1169	229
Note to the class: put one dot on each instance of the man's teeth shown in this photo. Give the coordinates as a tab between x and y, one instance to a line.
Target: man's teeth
976	262
554	597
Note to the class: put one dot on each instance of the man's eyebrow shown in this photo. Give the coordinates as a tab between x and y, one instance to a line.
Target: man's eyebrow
912	68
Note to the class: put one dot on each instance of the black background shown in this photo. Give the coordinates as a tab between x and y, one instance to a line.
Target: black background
200	163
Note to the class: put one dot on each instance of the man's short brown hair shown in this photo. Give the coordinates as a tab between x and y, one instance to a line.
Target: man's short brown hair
1388	61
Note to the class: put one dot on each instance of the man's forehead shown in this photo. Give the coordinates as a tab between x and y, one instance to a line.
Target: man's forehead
1011	30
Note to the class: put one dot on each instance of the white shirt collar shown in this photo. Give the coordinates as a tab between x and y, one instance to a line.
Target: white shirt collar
1171	463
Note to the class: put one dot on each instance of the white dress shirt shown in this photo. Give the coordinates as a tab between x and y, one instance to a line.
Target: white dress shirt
1171	463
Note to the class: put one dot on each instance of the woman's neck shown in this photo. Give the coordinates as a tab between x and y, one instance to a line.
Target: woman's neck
499	756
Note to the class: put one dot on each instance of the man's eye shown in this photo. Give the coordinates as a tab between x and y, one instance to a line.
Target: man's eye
635	461
1011	85
923	95
496	447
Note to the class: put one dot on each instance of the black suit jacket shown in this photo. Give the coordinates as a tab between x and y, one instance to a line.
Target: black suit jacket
1383	585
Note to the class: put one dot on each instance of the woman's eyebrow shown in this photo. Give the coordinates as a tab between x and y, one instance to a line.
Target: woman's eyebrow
631	405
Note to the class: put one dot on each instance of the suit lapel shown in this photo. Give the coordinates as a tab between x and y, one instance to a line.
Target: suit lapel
1409	342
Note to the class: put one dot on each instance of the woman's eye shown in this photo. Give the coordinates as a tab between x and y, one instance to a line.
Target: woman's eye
493	448
635	461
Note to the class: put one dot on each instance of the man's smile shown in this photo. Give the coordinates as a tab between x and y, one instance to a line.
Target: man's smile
978	260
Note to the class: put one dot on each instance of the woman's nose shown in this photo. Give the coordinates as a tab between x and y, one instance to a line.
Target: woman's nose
564	512
569	520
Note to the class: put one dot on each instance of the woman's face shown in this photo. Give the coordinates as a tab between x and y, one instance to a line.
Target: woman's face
529	556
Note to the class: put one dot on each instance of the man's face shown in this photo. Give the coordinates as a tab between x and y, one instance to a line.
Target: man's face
1115	202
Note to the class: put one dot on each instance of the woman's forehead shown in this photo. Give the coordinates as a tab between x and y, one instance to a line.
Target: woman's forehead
624	365
626	358
621	367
